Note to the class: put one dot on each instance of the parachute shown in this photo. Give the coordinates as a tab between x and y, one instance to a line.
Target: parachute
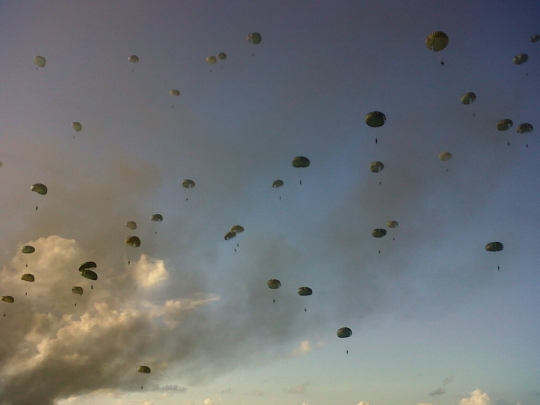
494	247
230	235
444	156
375	119
133	241
28	277
305	291
175	92
503	125
468	98
391	224
222	56
277	183
188	183
77	126
524	128
144	369
28	249
133	59
274	284
157	218
40	61
520	59
39	188
77	290
376	167
89	274
255	38
378	233
87	266
131	224
211	60
437	41
8	299
237	229
344	332
535	38
300	161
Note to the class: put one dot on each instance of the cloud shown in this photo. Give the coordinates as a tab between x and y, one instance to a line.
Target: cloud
303	348
363	403
300	389
477	397
438	391
448	380
149	272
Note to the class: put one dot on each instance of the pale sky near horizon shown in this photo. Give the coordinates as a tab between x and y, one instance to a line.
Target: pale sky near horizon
436	319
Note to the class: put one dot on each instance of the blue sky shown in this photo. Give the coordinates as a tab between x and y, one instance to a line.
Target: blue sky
434	321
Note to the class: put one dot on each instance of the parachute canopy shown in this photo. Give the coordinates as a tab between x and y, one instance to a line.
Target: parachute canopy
188	183
222	56
28	249
144	369
503	125
344	332
376	167
77	126
437	41
494	247
305	291
520	59
378	233
157	218
133	59
77	290
524	128
468	98
174	92
28	277
40	61
211	60
535	38
133	241
8	299
39	188
87	266
274	284
277	183
230	235
255	38
89	274
391	224
237	229
300	161
375	119
444	156
131	224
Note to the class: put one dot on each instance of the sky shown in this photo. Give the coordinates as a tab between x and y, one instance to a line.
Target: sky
436	319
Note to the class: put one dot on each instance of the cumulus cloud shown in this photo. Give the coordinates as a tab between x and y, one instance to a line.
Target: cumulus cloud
477	397
149	272
363	403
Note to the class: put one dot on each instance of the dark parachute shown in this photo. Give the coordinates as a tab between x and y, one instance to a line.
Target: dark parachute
274	284
503	125
375	119
494	247
305	291
300	161
344	332
437	41
378	233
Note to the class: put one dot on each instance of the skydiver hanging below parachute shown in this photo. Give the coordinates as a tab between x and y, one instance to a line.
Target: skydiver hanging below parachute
437	41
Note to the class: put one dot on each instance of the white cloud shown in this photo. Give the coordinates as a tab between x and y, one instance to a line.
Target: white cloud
303	348
477	398
149	272
363	403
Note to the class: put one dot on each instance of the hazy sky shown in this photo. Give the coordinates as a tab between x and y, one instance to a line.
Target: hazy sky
434	320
